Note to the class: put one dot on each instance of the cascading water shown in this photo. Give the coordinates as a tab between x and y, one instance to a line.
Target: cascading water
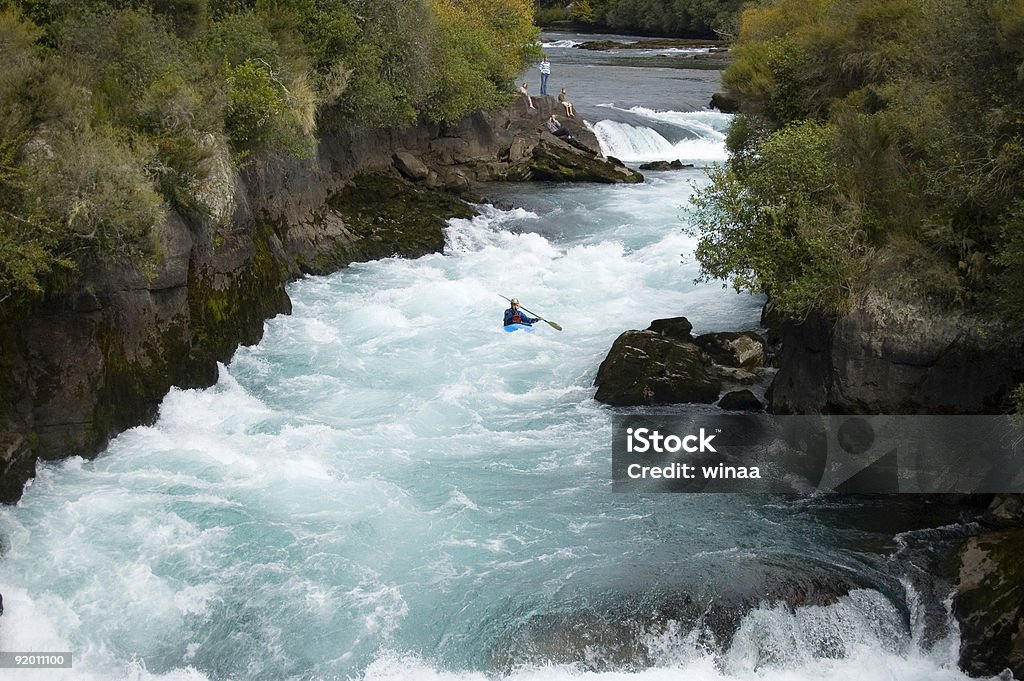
389	486
694	136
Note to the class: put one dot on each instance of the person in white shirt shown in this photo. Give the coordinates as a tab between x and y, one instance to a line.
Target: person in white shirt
545	71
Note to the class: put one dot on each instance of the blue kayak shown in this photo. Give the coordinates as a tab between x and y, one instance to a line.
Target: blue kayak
518	327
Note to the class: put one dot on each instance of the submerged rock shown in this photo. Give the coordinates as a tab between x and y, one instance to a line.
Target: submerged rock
626	631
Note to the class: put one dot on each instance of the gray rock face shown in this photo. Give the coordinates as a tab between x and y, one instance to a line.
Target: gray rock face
887	357
410	166
648	368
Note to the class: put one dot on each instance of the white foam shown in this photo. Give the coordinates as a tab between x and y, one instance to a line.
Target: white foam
561	43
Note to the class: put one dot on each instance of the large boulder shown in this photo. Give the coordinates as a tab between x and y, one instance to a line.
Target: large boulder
740	400
648	368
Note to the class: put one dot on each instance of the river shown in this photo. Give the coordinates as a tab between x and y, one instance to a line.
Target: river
389	486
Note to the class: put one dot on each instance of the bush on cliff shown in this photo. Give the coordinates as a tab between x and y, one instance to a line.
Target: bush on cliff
880	144
109	110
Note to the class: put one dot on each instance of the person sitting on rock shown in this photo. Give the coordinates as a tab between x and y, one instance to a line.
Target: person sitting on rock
526	93
515	315
555	126
564	99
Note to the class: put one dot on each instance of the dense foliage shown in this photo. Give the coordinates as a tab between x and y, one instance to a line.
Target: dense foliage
110	110
686	18
881	145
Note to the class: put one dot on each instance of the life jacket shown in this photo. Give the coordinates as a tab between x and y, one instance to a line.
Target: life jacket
516	318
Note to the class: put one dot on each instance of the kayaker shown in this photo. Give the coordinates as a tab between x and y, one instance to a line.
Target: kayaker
514	315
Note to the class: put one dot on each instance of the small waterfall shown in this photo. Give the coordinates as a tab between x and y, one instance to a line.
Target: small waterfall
648	135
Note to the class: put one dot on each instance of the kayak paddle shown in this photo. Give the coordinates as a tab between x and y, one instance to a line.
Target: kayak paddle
556	327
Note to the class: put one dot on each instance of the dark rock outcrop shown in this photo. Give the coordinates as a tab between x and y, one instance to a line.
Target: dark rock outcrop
742	349
679	328
989	603
891	357
724	103
81	367
665	165
740	400
648	368
665	364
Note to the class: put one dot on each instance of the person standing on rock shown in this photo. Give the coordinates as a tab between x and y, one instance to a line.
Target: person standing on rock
545	71
526	93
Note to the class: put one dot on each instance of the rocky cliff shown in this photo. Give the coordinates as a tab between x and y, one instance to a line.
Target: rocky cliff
81	367
887	356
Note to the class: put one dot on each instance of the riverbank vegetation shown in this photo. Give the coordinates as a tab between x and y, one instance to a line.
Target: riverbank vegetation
880	146
111	111
679	18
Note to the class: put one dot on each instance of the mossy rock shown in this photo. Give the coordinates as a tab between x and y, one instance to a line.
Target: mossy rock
558	163
648	368
388	216
226	310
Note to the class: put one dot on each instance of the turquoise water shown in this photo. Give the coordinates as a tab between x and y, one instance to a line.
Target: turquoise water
389	486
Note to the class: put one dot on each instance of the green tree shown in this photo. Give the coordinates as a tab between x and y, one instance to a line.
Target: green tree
922	104
582	11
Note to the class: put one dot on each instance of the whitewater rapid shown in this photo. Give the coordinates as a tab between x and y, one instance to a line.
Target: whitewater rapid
388	486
